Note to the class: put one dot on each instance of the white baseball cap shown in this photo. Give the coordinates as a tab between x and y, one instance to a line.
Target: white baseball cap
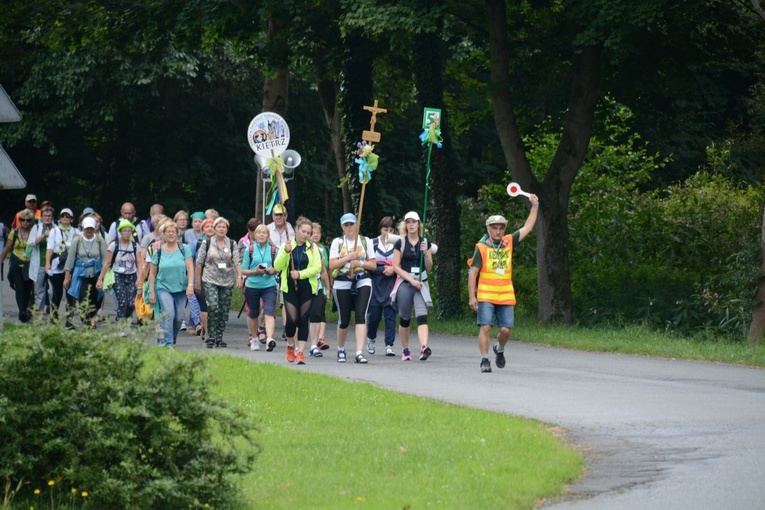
89	222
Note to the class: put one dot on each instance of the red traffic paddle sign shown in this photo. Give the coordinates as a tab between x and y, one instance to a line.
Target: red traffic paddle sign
514	189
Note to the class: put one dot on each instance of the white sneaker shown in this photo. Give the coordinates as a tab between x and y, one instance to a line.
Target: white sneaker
389	351
371	346
183	325
254	346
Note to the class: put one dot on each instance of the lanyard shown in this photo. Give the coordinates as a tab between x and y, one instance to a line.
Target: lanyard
220	253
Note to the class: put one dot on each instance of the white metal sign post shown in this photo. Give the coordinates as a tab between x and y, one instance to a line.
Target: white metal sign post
10	177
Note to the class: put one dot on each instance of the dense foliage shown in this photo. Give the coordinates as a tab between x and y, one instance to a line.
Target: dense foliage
131	426
149	100
683	259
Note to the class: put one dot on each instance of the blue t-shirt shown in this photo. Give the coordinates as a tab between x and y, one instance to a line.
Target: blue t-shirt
260	255
171	273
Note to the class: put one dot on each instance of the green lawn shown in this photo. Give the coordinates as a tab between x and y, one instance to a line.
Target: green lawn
327	443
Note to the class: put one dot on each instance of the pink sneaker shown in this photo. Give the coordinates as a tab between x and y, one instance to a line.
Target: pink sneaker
406	355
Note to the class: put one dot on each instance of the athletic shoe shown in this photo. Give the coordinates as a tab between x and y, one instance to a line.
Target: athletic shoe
485	365
220	344
389	350
183	325
425	352
341	356
210	343
322	344
360	358
300	358
262	335
290	353
271	344
371	346
284	334
500	359
406	355
249	342
254	346
315	352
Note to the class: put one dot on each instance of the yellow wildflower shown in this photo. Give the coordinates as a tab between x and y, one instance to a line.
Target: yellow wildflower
37	491
51	483
84	494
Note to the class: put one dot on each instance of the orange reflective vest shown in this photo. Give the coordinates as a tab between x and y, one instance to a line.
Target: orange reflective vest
495	279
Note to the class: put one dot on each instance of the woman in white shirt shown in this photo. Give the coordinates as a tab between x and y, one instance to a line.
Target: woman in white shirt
351	257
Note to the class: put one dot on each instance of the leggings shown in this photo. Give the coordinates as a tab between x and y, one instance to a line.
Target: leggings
218	304
297	305
124	291
24	289
347	302
57	284
406	297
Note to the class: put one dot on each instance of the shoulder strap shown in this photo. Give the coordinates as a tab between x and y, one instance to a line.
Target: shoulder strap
207	250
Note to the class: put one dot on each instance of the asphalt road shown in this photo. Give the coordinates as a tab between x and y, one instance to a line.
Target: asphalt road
657	433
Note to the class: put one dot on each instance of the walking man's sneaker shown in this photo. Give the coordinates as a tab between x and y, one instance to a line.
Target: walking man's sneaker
425	352
371	346
485	365
254	346
389	351
500	359
341	356
271	344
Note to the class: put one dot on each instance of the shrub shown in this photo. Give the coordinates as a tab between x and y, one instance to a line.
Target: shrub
134	426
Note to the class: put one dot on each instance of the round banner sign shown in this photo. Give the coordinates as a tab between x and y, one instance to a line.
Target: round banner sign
268	134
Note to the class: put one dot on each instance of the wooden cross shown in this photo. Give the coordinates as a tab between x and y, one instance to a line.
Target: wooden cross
371	135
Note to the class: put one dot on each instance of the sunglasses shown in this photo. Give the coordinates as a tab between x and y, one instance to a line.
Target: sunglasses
65	215
25	220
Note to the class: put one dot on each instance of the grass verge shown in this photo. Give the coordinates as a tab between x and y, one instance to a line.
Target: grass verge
327	443
638	340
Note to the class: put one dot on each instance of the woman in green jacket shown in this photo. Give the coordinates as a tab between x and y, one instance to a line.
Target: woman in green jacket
299	261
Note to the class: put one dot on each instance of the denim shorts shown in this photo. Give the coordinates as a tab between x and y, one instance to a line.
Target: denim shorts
505	315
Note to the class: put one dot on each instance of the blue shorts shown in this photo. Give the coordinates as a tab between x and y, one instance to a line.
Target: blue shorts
505	315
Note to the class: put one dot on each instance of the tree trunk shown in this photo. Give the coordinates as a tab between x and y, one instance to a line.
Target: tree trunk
275	89
757	327
553	272
357	88
444	212
501	97
328	91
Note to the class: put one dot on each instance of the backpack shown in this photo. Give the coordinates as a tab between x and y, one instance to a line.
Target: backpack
159	251
252	247
135	253
207	248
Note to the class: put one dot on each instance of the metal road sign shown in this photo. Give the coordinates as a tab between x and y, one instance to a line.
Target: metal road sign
10	177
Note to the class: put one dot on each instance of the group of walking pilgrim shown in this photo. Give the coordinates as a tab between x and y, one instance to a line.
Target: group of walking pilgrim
160	266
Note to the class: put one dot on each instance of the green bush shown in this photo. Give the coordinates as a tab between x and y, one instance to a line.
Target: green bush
134	426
